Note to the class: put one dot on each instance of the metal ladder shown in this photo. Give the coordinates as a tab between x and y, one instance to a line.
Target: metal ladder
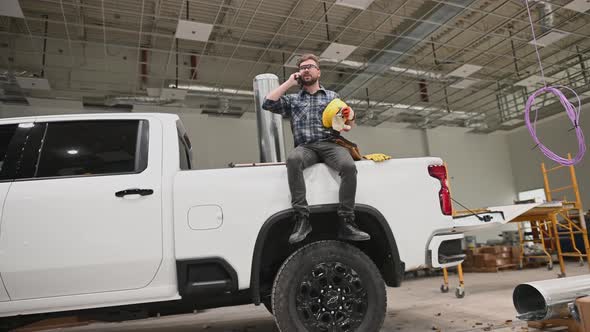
570	220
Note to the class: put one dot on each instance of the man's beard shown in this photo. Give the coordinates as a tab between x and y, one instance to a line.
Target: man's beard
310	82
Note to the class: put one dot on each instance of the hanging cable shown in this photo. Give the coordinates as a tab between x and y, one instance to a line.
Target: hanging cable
572	111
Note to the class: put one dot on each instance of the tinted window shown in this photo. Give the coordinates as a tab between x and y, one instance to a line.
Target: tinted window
90	147
6	134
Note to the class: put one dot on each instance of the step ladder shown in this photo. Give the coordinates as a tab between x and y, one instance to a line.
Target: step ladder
570	220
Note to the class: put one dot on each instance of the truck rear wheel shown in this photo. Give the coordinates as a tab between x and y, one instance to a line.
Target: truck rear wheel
329	286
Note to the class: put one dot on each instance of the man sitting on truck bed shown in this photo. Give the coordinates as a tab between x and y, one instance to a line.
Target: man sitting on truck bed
313	144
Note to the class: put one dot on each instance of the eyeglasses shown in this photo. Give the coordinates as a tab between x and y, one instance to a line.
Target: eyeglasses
308	67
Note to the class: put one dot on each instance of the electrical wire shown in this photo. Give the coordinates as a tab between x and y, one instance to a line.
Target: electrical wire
572	111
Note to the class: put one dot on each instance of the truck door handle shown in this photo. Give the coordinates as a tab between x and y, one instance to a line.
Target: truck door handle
134	191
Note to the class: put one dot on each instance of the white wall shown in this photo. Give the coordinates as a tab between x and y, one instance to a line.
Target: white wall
553	133
479	169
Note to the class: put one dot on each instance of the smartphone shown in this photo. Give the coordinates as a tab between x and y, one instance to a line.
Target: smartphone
300	81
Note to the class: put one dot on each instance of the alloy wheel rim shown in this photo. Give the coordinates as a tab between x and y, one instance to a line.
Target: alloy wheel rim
331	297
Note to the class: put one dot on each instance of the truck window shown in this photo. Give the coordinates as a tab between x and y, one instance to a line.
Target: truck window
6	134
184	148
78	148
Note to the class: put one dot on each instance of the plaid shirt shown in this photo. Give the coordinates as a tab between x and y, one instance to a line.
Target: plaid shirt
305	111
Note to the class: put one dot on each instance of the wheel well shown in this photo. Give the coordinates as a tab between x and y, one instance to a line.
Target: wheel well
272	246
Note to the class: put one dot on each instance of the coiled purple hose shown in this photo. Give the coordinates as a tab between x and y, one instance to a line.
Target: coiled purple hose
572	112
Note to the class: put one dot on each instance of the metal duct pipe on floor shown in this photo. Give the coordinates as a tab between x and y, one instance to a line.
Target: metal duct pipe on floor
270	125
548	299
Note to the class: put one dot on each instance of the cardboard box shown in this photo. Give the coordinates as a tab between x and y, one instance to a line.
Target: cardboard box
583	305
502	261
484	260
489	250
515	254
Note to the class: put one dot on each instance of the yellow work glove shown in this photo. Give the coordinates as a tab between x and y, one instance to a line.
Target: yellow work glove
377	157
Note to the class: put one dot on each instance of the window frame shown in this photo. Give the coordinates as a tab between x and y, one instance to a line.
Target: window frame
34	149
14	151
183	139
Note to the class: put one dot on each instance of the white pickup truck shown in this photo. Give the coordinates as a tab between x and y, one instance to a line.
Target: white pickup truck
103	212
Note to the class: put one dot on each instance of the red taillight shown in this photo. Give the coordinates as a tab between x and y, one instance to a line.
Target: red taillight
444	195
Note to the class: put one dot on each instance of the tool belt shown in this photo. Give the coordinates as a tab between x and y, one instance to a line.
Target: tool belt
352	148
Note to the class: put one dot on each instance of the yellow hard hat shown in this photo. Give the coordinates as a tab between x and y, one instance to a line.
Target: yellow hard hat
331	110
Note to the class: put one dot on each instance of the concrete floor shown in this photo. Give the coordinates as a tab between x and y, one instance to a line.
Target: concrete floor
417	306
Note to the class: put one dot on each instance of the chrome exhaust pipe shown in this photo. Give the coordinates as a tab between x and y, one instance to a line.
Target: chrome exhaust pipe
270	126
547	299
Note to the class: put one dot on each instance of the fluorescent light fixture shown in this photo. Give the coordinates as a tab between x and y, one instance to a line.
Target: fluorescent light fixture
534	81
457	115
347	63
11	8
33	83
26	125
465	70
464	83
407	71
338	51
203	88
72	152
358	4
195	31
549	38
581	6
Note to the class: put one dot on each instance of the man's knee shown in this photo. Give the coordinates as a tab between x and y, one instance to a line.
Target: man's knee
295	160
348	169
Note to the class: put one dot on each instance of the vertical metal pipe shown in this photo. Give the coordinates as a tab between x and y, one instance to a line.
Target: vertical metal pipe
45	17
270	126
144	69
547	17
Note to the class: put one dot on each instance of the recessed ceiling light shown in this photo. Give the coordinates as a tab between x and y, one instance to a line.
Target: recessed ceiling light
196	31
465	70
581	6
338	51
359	4
11	8
549	38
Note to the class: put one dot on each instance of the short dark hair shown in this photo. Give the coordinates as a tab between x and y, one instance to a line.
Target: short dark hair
308	56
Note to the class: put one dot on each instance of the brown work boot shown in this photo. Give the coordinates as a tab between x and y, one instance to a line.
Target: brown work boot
350	231
301	230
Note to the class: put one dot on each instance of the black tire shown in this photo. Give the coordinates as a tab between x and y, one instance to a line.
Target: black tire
341	278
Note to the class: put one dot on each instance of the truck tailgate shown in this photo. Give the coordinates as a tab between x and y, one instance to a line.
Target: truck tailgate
492	216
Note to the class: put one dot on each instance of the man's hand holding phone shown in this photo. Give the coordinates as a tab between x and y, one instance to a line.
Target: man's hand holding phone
295	79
